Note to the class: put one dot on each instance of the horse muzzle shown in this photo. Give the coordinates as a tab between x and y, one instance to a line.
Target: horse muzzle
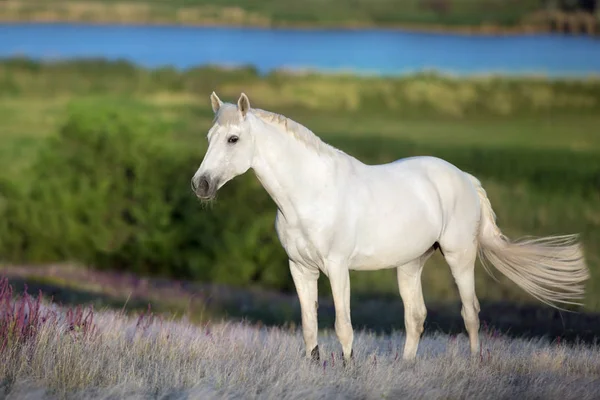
205	187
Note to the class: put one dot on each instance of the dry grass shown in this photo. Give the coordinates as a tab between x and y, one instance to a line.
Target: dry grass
58	353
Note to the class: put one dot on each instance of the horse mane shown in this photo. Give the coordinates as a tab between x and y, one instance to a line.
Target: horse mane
228	115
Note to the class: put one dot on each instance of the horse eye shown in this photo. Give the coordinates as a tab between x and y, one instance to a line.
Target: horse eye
233	139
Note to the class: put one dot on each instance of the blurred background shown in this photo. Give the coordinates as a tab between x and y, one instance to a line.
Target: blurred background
104	108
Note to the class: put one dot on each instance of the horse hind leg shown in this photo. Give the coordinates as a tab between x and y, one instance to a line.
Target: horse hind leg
415	312
462	266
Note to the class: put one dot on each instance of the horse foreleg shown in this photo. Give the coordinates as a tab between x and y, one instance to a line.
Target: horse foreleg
339	278
305	280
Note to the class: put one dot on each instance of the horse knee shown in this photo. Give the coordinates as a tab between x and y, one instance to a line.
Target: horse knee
416	320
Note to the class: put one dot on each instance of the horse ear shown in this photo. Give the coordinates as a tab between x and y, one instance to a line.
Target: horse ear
215	102
243	104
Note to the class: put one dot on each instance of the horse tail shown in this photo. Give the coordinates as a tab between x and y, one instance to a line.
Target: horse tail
552	269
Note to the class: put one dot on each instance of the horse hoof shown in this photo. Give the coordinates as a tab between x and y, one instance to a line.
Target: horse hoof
350	359
314	354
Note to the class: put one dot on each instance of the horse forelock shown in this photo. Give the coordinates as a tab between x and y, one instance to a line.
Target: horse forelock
228	115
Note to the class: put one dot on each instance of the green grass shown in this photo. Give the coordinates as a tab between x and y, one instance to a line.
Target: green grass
456	13
533	142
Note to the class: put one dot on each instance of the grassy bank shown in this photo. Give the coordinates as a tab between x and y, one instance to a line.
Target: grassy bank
463	15
532	142
57	352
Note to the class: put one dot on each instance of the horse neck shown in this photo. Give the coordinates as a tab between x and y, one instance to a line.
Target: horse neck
291	171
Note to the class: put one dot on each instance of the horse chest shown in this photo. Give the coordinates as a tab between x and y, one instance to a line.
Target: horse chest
305	243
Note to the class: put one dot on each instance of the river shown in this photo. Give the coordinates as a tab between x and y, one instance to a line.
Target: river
369	51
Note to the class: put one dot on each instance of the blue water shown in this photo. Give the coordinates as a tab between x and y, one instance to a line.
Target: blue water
359	51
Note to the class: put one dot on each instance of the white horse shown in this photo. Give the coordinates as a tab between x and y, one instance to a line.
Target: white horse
337	214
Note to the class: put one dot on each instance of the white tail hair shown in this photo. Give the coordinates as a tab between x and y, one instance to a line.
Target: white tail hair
552	269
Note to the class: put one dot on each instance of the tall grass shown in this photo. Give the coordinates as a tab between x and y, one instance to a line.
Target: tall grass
108	355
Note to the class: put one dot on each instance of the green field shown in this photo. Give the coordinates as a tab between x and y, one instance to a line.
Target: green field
430	14
534	144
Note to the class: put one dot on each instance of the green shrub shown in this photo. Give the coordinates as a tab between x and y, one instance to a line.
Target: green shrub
111	191
90	189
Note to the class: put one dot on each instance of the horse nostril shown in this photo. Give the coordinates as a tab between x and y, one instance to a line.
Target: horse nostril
203	185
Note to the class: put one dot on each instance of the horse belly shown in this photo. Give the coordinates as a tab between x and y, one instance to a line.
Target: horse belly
388	254
394	234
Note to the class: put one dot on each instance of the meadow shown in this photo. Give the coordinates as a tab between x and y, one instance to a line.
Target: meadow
97	156
158	295
430	14
51	352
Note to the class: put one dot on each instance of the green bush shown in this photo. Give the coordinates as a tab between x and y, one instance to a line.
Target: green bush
110	191
90	190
